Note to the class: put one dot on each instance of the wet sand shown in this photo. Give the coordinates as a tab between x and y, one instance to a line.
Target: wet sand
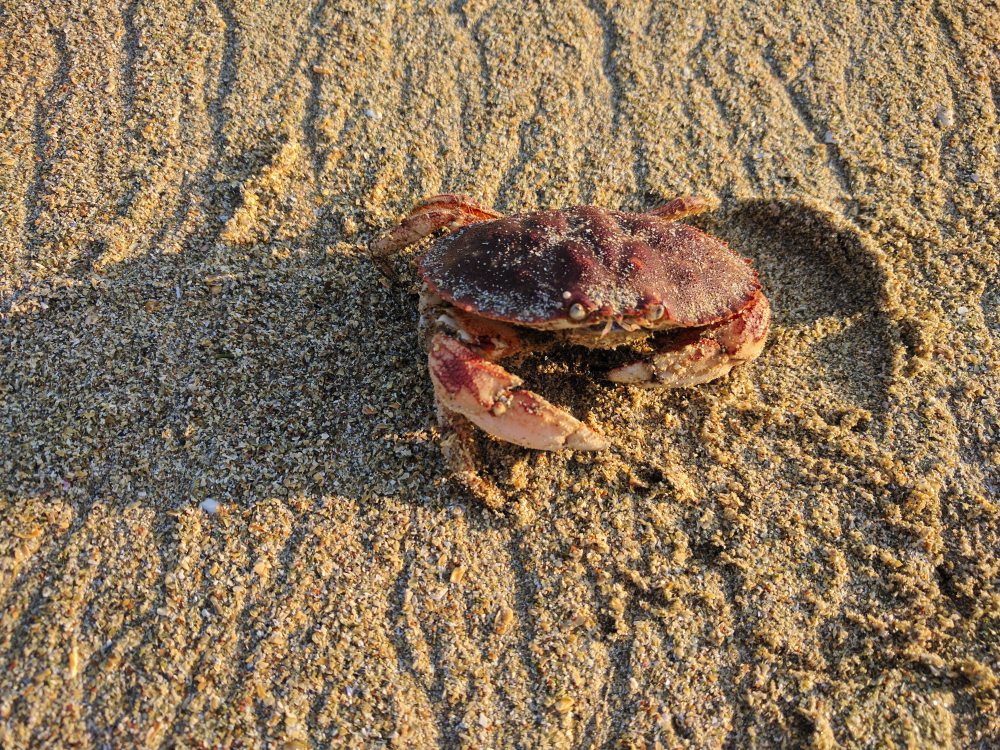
805	553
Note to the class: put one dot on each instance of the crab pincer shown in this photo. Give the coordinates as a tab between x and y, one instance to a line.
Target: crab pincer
491	398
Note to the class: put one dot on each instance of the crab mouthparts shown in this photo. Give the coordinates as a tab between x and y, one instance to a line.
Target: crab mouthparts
618	322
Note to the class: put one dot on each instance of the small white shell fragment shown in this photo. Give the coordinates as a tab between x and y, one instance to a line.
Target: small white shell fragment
209	505
373	114
828	138
945	117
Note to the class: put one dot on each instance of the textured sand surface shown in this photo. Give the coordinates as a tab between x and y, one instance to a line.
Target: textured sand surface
805	553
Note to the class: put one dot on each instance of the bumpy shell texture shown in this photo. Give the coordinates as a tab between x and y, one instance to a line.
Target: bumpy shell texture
531	268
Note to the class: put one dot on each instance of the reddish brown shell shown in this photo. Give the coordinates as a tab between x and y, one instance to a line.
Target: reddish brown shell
531	268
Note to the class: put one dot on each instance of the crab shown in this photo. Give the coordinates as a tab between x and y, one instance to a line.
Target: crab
496	286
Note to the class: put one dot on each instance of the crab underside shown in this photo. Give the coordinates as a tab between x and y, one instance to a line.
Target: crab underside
500	286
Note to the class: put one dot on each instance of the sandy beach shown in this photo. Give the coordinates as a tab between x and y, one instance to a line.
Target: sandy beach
225	519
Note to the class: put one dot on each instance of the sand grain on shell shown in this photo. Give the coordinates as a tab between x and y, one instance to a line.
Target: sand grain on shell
804	553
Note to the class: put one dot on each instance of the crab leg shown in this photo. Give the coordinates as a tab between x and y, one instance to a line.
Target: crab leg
458	446
426	217
488	396
703	354
678	208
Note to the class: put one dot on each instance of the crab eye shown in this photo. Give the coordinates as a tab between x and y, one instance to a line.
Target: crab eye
654	312
577	312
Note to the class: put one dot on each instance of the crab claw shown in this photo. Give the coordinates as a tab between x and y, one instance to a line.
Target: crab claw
484	393
704	354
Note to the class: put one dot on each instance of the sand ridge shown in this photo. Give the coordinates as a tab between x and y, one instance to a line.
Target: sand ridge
805	553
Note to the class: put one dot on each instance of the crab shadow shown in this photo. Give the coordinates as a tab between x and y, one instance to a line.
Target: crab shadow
834	336
305	370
